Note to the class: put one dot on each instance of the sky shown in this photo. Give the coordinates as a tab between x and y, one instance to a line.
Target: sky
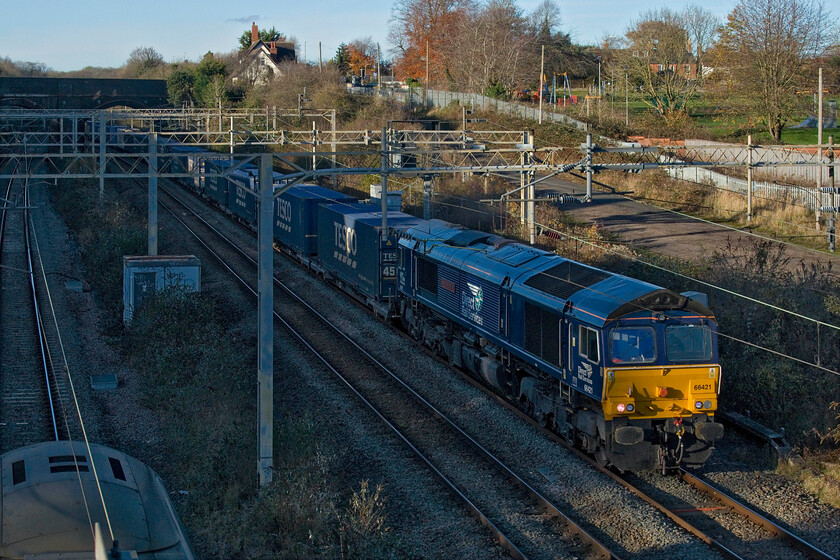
72	34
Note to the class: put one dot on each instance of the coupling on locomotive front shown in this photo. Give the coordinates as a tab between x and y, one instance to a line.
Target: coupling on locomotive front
626	370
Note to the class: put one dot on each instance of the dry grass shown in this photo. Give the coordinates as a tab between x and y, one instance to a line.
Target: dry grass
819	477
771	217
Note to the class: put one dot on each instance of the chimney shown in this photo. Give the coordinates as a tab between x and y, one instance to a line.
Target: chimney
273	47
255	33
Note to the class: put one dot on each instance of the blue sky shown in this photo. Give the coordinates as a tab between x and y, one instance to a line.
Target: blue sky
72	34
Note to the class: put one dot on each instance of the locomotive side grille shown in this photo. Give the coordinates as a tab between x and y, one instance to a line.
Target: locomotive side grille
566	279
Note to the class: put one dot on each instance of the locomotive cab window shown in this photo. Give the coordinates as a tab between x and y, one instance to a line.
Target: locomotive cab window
688	343
588	343
632	345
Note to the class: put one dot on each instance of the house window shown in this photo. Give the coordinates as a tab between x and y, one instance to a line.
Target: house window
688	69
661	68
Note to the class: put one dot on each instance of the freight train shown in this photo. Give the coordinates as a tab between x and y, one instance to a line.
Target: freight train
626	370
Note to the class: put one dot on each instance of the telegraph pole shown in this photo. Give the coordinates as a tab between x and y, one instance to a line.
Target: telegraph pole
378	67
320	60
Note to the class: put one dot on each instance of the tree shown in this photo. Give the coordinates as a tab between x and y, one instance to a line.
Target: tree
421	26
657	59
342	59
765	45
544	20
142	60
702	27
494	47
179	87
266	36
361	54
210	81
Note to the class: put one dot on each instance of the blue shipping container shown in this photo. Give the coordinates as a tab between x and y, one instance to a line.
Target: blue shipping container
296	216
350	246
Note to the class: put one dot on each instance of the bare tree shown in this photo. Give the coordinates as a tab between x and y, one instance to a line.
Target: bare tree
766	44
142	60
491	46
545	19
702	27
659	62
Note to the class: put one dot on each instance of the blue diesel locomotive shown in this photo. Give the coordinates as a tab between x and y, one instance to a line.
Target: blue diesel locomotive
626	370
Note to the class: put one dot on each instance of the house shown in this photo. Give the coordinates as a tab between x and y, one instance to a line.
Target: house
687	71
262	60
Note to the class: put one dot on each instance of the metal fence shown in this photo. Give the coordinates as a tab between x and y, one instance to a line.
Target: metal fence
793	194
720	151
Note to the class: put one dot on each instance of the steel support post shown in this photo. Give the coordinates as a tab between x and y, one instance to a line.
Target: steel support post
749	177
61	135
314	146
523	180
333	146
383	194
265	373
102	139
427	197
588	167
532	192
835	198
153	194
75	133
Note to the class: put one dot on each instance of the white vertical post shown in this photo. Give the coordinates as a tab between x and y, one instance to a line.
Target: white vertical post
231	135
265	372
153	194
819	145
749	177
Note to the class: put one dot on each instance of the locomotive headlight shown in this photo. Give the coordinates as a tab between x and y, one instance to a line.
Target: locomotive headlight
620	407
630	408
698	405
707	404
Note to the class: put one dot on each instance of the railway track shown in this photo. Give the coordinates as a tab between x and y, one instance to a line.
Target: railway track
33	390
737	531
727	526
525	523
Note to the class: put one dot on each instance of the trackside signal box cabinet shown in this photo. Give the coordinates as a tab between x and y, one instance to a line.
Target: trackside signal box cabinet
145	275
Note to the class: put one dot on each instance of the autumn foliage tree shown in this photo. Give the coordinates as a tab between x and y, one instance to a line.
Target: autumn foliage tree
361	56
421	26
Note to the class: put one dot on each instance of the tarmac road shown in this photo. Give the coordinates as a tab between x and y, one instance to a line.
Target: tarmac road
659	230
